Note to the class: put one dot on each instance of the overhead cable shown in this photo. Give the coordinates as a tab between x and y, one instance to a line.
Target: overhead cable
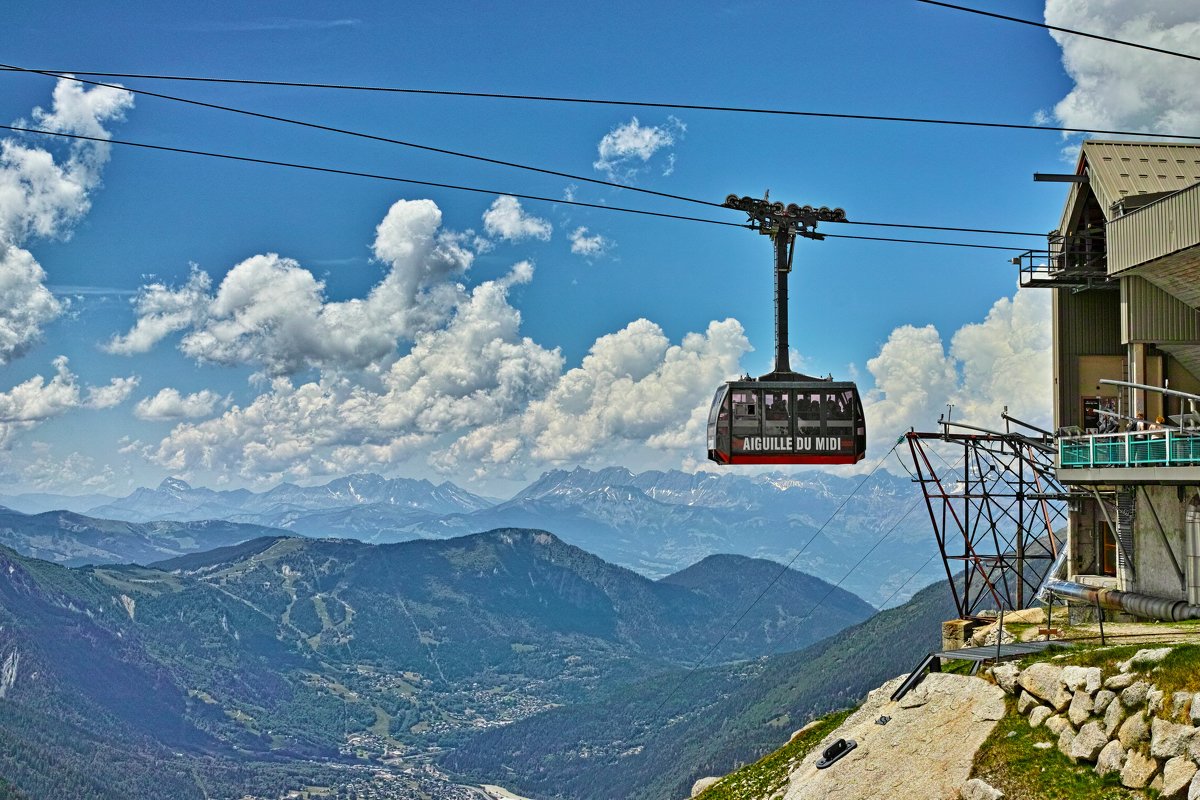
857	564
461	154
771	583
635	103
456	187
1049	27
374	176
359	134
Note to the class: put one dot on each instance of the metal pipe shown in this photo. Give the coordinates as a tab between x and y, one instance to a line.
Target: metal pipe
1148	388
1139	605
1020	437
1042	431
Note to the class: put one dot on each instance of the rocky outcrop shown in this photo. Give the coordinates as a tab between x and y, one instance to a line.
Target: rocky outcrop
976	789
924	751
8	672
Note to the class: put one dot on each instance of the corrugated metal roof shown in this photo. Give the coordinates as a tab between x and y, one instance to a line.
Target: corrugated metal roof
1121	169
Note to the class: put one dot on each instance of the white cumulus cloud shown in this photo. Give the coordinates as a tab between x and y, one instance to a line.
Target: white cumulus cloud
628	147
25	302
171	404
508	220
32	402
44	196
272	312
588	245
113	394
1124	88
474	370
1003	361
633	389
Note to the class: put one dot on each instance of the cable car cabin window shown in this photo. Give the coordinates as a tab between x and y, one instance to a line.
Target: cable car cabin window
839	413
777	421
718	418
747	413
808	414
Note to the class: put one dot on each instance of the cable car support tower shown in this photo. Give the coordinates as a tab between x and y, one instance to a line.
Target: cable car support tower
783	223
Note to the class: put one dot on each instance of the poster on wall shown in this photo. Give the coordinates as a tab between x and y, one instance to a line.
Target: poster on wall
1091	419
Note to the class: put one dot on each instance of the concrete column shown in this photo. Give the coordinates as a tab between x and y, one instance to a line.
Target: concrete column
1137	374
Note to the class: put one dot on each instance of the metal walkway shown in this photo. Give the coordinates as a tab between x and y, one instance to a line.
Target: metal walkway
1005	652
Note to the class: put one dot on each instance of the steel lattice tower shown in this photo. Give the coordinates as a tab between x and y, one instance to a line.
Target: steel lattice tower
994	509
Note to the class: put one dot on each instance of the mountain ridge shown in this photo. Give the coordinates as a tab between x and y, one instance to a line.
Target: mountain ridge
656	522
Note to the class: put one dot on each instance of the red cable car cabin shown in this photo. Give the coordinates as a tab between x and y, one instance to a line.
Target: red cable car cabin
785	417
802	421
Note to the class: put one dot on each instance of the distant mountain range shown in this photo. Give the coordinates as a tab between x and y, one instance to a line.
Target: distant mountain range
126	681
653	522
72	539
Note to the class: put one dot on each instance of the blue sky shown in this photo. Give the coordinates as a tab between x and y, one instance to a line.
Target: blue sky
487	384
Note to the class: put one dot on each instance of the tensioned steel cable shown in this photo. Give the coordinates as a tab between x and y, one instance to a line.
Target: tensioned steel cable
857	564
633	103
900	588
458	187
1071	31
828	593
778	575
916	503
374	176
359	134
459	153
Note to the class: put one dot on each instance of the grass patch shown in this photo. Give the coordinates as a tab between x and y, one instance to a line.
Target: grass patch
770	773
1009	761
1179	671
957	666
1090	655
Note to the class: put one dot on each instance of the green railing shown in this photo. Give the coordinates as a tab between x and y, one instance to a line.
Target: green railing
1149	449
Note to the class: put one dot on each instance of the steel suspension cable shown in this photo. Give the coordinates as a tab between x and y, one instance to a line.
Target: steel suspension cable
633	103
462	154
778	575
456	187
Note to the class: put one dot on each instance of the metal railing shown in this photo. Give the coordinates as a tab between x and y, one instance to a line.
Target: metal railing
1155	448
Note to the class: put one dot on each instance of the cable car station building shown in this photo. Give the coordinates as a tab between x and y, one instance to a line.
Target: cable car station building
1124	270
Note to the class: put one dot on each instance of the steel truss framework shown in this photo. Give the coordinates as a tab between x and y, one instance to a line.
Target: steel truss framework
994	511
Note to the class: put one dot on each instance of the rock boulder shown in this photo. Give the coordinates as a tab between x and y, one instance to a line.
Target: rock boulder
1111	758
1133	731
1044	681
1177	776
1168	740
1138	771
1082	678
976	789
1081	708
1039	715
1088	743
